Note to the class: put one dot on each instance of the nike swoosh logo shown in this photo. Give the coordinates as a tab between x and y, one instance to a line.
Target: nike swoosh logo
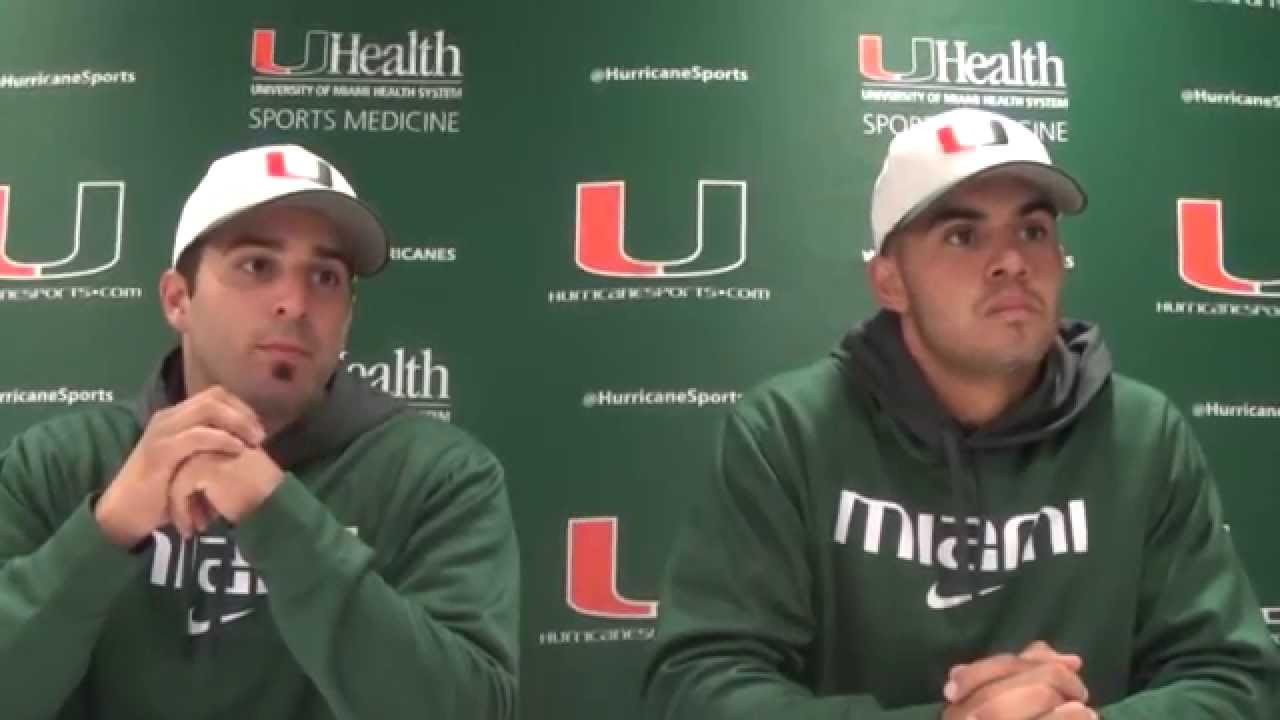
195	627
939	602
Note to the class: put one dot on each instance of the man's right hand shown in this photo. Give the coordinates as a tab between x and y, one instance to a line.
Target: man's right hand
137	500
1037	683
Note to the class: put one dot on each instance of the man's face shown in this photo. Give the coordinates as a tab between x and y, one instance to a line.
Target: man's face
977	277
270	310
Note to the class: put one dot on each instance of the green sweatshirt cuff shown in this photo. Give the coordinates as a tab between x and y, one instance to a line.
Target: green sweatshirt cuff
87	570
294	541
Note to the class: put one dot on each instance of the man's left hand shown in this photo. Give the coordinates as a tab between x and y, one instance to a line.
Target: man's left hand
217	484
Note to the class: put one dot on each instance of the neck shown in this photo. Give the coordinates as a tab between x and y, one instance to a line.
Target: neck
196	381
273	424
974	399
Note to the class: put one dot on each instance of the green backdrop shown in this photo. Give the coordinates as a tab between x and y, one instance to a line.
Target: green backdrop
612	218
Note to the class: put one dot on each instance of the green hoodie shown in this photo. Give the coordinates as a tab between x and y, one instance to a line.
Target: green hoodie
378	581
823	574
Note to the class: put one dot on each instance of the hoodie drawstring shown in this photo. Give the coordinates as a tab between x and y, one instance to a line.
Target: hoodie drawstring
191	592
189	581
966	493
226	557
960	499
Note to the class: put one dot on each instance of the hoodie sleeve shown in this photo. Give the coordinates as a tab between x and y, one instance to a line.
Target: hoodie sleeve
1203	650
59	576
433	637
736	604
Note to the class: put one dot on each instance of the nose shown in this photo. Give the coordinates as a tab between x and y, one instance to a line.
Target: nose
290	302
1008	260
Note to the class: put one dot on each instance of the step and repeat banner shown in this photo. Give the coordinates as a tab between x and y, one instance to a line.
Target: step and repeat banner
613	218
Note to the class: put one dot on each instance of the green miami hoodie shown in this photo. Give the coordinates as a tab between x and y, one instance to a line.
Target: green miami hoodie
855	542
380	579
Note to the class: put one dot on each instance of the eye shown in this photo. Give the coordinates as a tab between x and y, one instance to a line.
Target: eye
1035	232
329	278
962	236
256	265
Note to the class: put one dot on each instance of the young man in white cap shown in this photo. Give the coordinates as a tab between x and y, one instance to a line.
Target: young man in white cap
962	512
263	536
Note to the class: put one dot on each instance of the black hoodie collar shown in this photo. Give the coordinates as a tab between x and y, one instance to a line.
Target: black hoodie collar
876	361
349	408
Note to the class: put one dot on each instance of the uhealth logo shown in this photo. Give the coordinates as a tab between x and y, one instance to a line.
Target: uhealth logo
95	244
951	62
1202	253
600	235
422	55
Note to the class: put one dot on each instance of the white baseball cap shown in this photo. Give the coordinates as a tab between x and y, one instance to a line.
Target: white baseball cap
283	174
927	160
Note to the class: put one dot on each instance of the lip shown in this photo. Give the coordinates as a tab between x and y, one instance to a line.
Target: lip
1012	303
285	348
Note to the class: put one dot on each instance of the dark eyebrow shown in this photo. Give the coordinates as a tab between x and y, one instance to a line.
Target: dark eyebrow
250	240
332	254
1040	204
947	213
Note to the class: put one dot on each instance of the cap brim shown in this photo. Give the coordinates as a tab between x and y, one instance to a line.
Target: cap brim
1063	191
1066	194
366	238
